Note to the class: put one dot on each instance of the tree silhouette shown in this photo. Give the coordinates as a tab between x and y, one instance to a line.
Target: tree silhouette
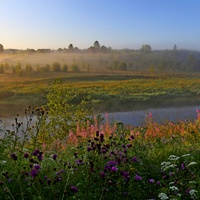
96	45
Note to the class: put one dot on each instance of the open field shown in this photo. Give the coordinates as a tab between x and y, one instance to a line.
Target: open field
114	91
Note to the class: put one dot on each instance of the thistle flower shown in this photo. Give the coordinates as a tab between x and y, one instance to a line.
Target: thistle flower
14	156
138	178
26	155
54	156
151	180
74	189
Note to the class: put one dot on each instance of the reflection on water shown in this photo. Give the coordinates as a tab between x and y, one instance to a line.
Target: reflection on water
160	115
134	118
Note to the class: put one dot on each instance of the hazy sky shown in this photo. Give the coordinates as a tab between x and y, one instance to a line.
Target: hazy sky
116	23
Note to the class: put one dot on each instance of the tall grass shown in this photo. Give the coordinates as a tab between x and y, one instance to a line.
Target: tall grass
100	161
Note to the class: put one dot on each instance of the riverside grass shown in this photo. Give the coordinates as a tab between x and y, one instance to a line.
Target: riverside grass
101	161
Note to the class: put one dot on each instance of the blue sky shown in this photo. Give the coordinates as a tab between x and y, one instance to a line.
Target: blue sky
116	23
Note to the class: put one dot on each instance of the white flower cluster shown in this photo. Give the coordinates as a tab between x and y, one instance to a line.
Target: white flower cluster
166	165
173	157
193	194
163	196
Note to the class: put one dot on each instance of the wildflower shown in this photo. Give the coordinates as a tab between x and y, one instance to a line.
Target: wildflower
9	180
150	115
79	162
37	167
158	183
185	155
54	156
191	163
26	155
36	152
125	175
151	180
182	166
14	156
173	157
114	169
163	196
89	149
34	173
132	137
101	137
138	178
134	159
174	188
193	194
74	189
102	174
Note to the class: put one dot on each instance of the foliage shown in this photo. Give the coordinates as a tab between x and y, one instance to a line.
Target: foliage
66	109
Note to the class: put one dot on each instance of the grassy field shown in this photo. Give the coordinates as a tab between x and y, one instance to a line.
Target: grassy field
63	150
114	91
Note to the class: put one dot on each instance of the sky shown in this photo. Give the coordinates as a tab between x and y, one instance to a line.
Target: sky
114	23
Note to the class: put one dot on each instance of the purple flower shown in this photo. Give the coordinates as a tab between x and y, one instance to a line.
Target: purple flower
9	180
101	137
102	174
74	189
79	162
26	155
151	180
132	136
158	183
134	159
89	149
34	173
138	178
36	152
37	167
14	156
125	175
114	169
182	166
54	156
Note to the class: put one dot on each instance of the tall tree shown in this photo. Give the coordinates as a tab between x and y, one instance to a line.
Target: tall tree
96	45
71	47
146	48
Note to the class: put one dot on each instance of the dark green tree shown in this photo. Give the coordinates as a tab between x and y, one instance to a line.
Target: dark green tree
97	45
56	67
71	47
146	49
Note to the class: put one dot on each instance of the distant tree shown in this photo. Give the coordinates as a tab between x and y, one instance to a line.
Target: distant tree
1	48
122	66
97	45
65	68
46	68
75	68
28	69
104	49
175	47
146	48
56	67
91	50
71	47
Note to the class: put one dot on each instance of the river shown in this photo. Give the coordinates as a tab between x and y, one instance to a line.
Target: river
134	117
